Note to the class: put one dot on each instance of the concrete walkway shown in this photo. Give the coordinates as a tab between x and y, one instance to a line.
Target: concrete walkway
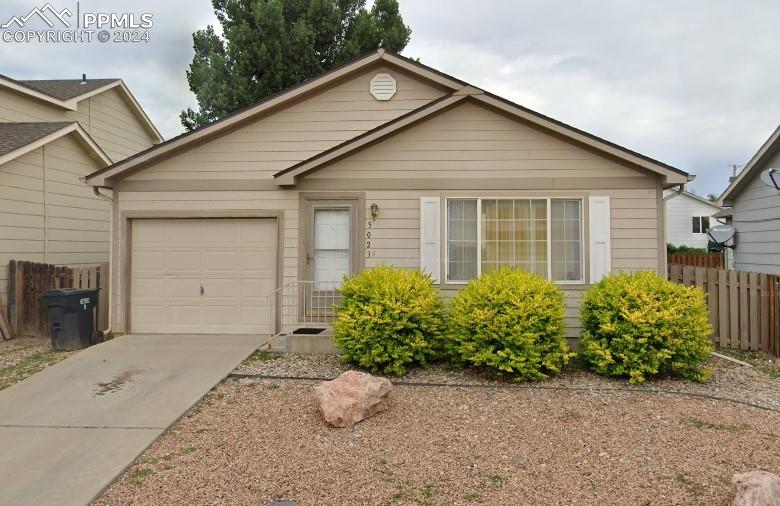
68	431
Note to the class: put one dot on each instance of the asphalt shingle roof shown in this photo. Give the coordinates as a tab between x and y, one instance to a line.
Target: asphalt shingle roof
16	135
62	89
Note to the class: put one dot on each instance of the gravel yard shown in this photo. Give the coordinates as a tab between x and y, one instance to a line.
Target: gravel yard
22	357
758	385
255	440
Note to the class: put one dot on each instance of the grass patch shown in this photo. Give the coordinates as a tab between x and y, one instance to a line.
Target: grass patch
262	356
694	488
138	475
497	479
702	424
571	415
763	362
30	365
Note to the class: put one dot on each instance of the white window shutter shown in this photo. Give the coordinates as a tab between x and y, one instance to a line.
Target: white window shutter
600	243
430	238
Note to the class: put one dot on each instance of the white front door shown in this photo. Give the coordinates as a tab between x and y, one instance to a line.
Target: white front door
332	246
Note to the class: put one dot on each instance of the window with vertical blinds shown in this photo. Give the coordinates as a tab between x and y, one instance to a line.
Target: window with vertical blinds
543	236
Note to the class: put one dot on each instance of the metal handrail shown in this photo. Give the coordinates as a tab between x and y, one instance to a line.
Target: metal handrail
303	304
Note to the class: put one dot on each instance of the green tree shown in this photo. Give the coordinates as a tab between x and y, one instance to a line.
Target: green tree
269	45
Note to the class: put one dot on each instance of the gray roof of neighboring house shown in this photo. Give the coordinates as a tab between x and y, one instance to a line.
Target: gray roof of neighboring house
62	89
16	135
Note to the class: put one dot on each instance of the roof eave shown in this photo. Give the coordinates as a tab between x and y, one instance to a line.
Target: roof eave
767	148
671	176
98	154
103	178
72	104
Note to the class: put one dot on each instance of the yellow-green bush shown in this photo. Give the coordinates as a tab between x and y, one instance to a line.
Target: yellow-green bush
641	324
510	321
388	319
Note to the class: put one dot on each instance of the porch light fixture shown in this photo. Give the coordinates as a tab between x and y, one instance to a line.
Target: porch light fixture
374	210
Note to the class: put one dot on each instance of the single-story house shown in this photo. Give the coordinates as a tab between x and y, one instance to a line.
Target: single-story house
53	133
755	211
247	224
688	218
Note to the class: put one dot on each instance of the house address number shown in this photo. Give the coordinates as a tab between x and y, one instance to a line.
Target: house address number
368	238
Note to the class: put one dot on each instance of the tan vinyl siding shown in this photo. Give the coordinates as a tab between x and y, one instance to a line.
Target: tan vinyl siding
21	213
18	107
77	221
302	130
107	117
66	225
467	138
114	127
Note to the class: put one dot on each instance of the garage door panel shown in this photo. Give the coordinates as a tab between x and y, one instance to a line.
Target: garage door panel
189	263
233	259
150	315
148	260
149	287
189	232
187	288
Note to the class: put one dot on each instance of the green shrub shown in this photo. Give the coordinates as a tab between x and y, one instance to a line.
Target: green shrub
640	324
388	319
512	322
682	248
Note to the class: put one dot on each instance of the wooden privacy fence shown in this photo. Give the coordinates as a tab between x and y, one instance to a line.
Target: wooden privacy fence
743	306
714	260
27	281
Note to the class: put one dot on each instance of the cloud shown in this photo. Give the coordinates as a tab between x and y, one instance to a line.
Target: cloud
692	83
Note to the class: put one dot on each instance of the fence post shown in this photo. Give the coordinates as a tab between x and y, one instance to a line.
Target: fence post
12	287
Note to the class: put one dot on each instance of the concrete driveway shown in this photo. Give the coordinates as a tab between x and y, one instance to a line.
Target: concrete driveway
68	431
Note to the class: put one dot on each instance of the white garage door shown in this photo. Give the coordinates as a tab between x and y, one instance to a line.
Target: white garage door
204	276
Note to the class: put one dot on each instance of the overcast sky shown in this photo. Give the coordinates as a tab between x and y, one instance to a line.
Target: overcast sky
695	84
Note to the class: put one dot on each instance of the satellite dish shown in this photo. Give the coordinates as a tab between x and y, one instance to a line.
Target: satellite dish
722	235
771	177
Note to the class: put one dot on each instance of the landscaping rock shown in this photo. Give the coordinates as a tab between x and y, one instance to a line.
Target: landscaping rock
756	488
352	397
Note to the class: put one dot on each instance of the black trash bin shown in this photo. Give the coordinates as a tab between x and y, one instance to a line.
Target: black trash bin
71	317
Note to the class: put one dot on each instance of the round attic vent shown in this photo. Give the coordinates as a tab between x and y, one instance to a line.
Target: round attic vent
382	86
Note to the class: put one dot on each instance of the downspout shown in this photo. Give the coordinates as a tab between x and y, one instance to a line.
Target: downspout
96	190
45	206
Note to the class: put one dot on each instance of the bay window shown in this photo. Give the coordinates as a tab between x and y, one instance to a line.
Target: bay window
543	236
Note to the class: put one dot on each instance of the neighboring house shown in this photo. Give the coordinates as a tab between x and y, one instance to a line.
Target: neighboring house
245	225
104	108
755	209
688	217
52	134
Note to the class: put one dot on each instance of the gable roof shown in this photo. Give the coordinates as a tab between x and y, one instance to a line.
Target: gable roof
16	135
288	176
17	139
459	90
67	93
64	89
694	197
767	150
274	101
